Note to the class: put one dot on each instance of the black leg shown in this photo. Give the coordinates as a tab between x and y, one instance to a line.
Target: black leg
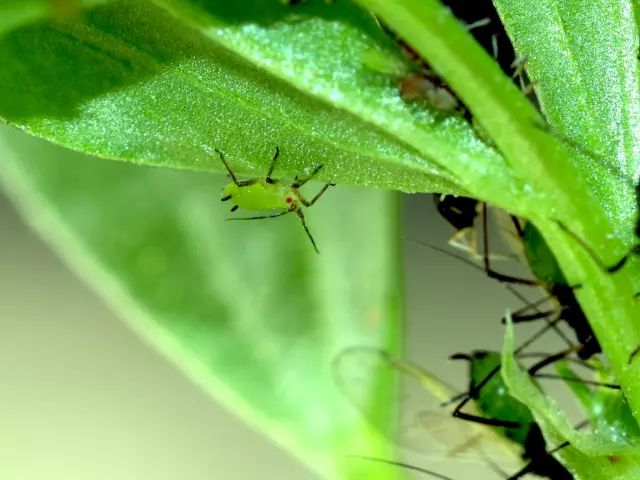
234	208
225	198
272	166
298	183
633	355
306	229
487	265
308	203
226	165
550	376
550	360
261	217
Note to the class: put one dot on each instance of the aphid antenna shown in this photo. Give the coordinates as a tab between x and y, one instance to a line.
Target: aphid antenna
528	305
406	466
226	165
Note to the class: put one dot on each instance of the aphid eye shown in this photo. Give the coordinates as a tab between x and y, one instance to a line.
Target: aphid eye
289	199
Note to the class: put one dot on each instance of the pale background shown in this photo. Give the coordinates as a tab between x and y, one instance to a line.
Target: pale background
83	399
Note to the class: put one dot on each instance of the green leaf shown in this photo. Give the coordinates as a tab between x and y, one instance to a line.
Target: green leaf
247	309
136	82
583	59
607	410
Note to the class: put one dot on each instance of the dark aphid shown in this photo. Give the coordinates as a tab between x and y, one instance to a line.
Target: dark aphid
545	268
513	419
460	213
270	194
358	371
548	275
370	378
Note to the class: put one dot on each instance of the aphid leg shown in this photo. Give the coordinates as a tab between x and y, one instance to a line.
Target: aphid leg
520	315
234	208
225	198
564	378
261	217
551	359
633	355
299	183
487	265
610	269
272	166
306	229
308	203
226	165
473	393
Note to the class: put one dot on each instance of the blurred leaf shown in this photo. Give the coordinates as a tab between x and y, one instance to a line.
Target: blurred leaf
15	13
246	309
136	82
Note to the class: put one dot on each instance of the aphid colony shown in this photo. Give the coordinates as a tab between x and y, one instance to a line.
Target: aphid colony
495	408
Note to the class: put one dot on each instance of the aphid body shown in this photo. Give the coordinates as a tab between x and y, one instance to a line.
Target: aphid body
545	268
260	194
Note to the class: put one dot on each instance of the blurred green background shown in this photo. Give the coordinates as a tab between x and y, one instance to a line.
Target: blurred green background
83	398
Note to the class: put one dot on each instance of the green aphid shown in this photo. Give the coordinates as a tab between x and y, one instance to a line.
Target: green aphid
509	416
492	398
267	193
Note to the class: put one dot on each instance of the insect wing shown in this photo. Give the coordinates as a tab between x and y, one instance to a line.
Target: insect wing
374	381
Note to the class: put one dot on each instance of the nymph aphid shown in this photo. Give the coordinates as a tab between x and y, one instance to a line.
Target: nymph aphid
269	194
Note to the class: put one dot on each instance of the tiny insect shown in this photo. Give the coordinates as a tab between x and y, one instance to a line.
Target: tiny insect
270	194
513	419
503	432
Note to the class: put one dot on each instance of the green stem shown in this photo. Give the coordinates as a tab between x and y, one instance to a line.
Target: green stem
545	163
